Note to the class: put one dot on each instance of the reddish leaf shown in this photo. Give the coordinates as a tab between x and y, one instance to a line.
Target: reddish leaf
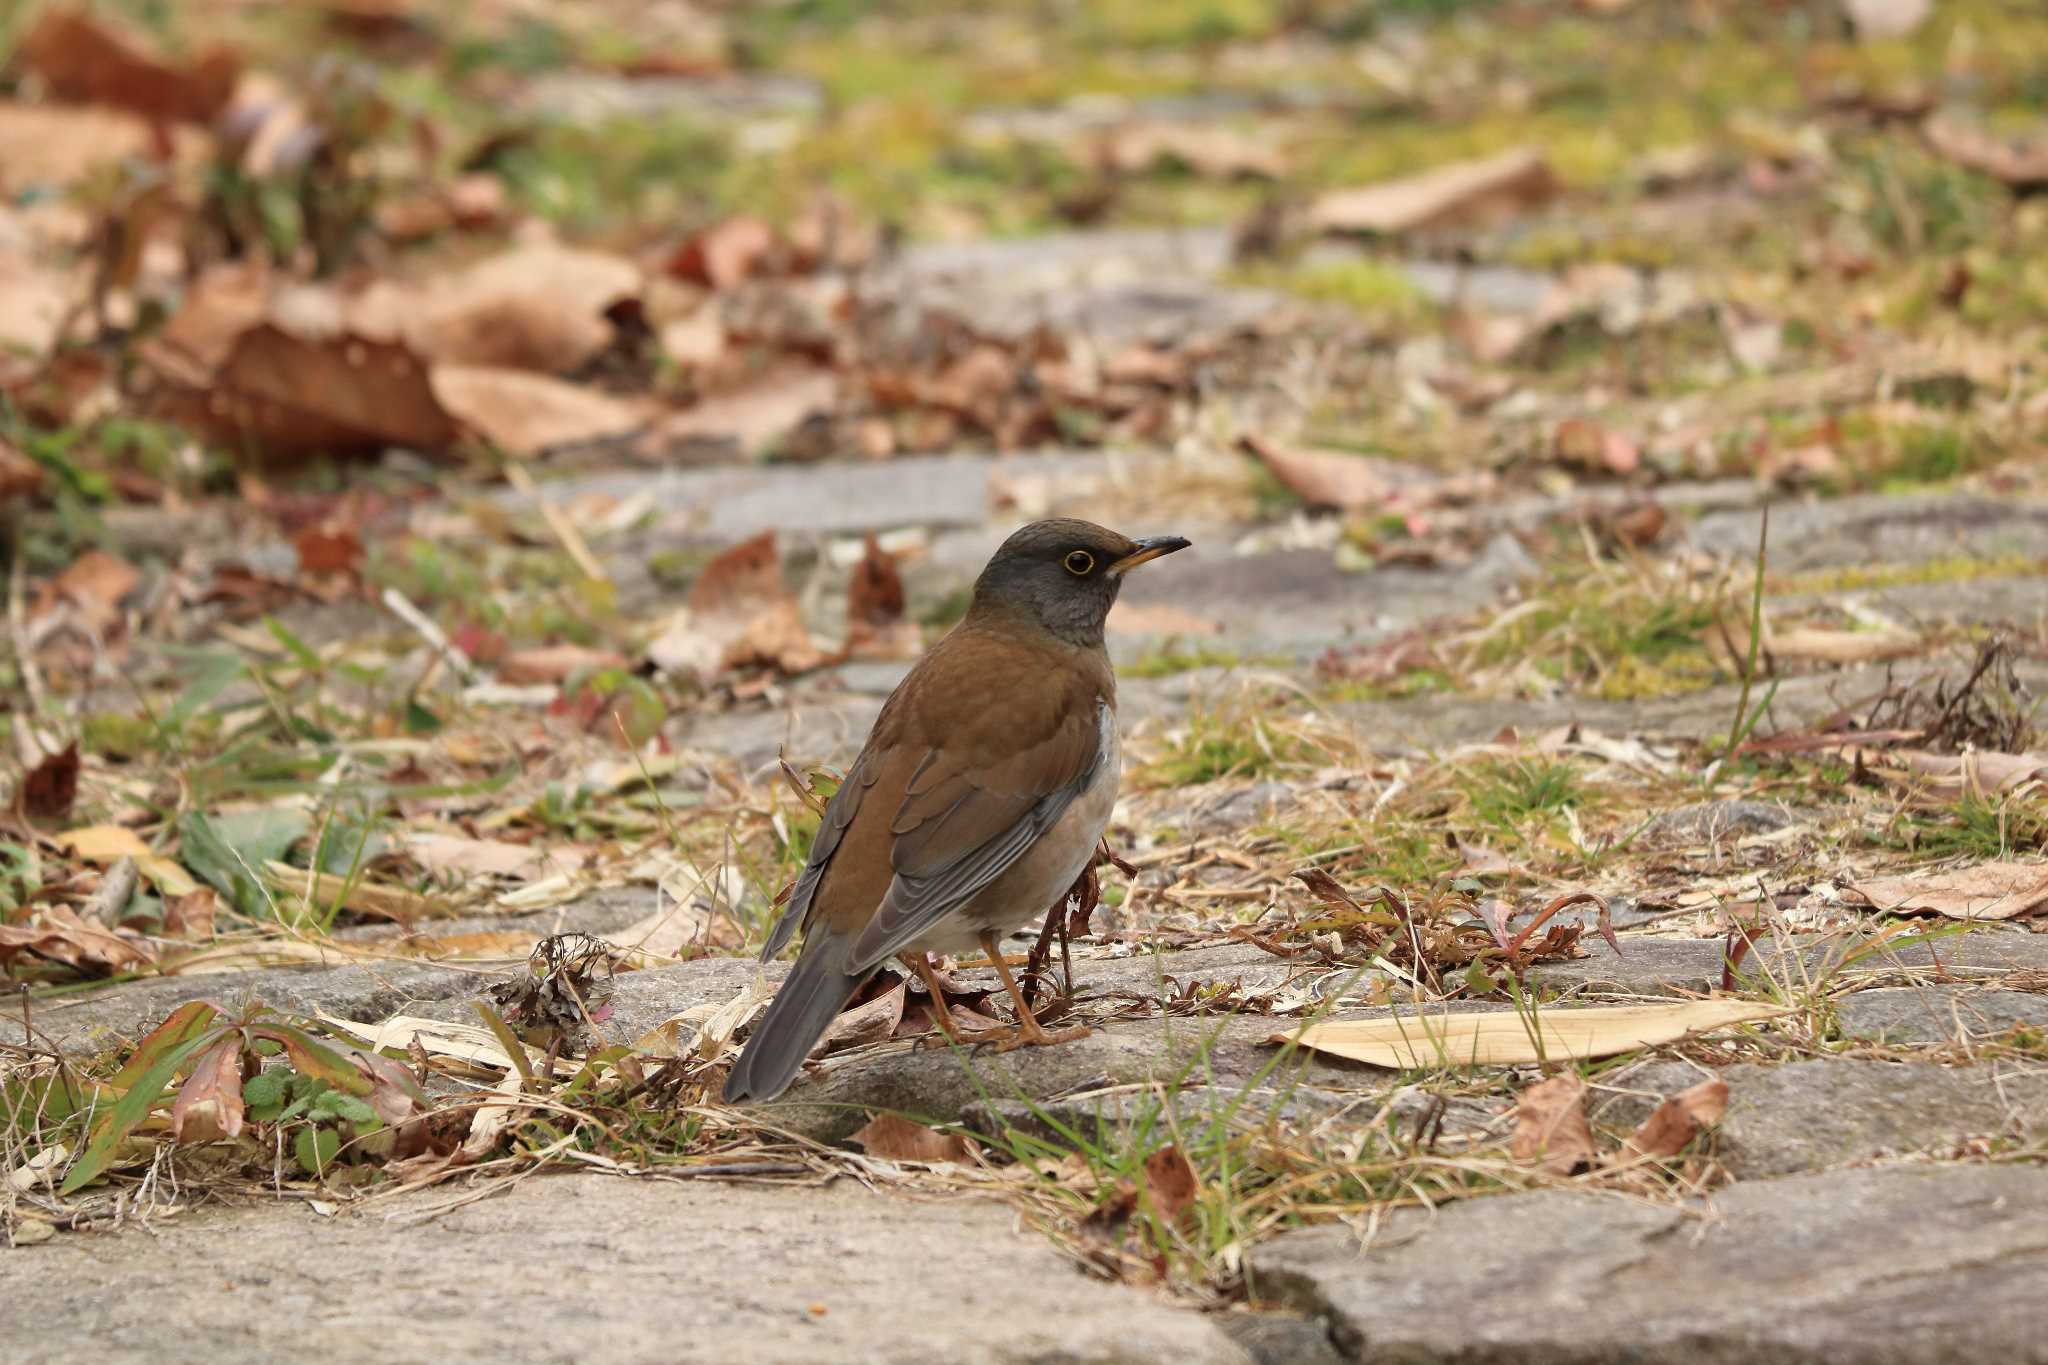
50	788
1171	1185
81	58
329	549
726	253
1673	1125
898	1139
209	1104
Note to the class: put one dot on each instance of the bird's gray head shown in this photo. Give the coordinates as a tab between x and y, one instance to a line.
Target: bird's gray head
1063	574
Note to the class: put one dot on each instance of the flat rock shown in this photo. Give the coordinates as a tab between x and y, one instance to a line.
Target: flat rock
578	1268
1896	528
1938	1014
1827	1112
1927	1265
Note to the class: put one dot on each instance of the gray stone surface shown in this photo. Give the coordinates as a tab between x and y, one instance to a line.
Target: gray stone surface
1826	1112
587	1268
1939	1014
1712	821
1899	528
1899	1266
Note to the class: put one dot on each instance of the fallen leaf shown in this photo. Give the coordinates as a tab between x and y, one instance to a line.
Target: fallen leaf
527	414
493	857
469	1043
1550	1125
868	1023
57	934
209	1103
875	628
1580	443
82	58
725	253
1824	645
96	584
1460	191
747	423
540	308
1345	482
893	1138
191	916
278	394
555	663
741	615
1503	1038
1171	1184
1673	1125
1134	148
490	1121
48	146
1986	891
49	789
1130	618
20	477
329	549
325	890
2021	163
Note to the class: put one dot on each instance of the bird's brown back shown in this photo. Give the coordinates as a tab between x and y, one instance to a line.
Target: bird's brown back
988	722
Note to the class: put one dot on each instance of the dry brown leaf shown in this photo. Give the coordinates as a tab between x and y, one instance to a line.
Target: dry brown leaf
209	1103
1824	645
1171	1183
534	308
1550	1125
1987	891
1345	482
745	424
1461	191
57	934
742	615
329	548
528	414
50	146
869	1023
2020	163
1580	443
1977	772
36	298
95	585
49	789
493	857
1503	1038
326	889
82	58
485	945
875	628
1134	148
20	477
191	916
1130	618
1673	1125
726	253
277	394
893	1138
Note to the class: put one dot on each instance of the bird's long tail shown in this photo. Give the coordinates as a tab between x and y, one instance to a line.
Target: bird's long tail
812	994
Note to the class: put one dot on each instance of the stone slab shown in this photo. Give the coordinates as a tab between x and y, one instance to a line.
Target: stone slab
571	1268
1897	1266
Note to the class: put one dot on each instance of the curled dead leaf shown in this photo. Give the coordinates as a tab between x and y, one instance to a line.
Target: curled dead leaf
1550	1125
1673	1125
83	58
1461	191
894	1138
49	789
1988	891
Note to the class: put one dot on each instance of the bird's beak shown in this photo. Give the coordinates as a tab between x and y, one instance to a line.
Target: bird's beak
1149	549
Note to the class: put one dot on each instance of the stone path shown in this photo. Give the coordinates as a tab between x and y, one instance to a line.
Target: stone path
1869	1218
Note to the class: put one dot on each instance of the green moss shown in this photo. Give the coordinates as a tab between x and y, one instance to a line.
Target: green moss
1951	569
1375	289
115	735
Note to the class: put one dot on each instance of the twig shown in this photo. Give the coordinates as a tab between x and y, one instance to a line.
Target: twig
571	538
116	887
423	625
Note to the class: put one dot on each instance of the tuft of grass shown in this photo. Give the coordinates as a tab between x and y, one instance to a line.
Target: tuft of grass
1509	792
1978	828
1622	632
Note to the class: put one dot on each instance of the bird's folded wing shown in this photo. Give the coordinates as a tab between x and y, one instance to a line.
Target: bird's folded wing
839	813
972	809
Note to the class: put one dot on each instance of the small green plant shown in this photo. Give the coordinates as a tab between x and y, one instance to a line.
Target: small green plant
1507	793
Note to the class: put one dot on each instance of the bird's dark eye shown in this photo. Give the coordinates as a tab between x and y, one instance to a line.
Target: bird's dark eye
1079	562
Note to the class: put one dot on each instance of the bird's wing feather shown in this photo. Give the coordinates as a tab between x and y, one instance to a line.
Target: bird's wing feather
963	824
839	815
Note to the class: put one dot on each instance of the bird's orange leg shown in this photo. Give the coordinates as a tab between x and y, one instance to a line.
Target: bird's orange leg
942	1017
1029	1031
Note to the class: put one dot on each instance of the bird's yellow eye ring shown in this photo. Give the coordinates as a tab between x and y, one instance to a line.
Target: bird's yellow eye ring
1079	562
